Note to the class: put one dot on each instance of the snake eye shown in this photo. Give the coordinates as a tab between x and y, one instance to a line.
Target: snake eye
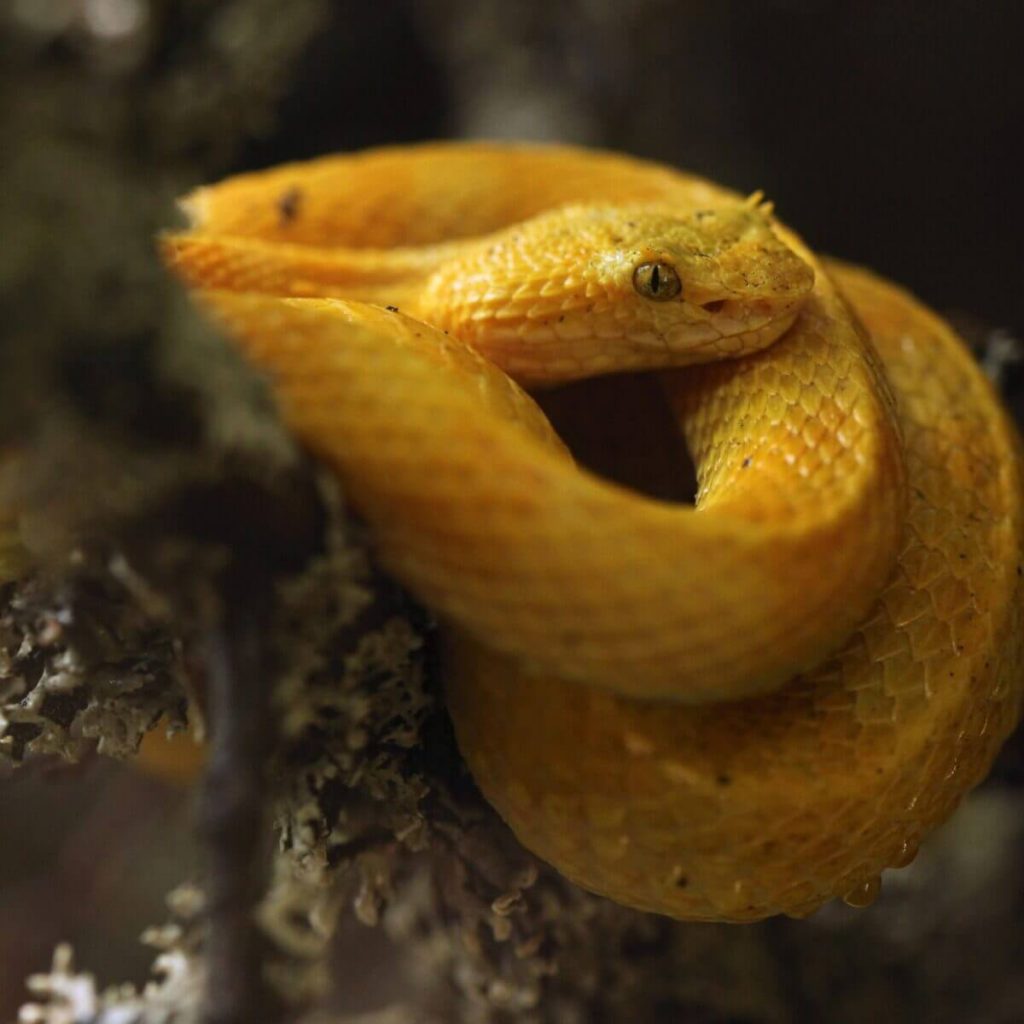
658	281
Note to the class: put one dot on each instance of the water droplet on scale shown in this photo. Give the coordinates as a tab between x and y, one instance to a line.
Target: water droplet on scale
864	895
907	854
801	914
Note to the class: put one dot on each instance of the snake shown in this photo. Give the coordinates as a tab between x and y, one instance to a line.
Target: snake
722	710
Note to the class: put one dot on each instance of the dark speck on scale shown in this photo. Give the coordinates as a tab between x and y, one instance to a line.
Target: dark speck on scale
288	206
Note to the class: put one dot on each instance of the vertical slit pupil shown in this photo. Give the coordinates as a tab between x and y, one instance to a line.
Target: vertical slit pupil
655	279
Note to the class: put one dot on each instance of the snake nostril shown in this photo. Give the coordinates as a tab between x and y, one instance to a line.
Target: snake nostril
714	307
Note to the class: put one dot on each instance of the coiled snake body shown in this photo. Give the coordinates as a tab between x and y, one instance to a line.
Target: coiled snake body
721	712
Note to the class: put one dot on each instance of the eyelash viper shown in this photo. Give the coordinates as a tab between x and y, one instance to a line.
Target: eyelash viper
718	713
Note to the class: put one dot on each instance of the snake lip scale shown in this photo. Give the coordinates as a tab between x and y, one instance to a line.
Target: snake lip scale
720	712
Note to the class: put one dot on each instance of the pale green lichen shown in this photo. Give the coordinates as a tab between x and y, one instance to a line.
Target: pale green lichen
82	667
173	996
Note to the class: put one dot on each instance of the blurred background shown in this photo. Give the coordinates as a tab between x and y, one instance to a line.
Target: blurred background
886	132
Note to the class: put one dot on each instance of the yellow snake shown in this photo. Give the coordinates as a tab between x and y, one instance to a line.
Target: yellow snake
718	713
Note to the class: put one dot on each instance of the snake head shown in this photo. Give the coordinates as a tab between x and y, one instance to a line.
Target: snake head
584	290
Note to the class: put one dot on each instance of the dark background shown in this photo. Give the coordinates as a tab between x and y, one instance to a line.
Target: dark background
885	132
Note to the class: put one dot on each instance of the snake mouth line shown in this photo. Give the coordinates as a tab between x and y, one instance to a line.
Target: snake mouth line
753	312
740	327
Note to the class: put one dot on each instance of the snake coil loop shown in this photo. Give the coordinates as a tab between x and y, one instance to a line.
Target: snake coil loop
719	713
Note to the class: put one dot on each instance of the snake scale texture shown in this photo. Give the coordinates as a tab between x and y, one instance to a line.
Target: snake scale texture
719	712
